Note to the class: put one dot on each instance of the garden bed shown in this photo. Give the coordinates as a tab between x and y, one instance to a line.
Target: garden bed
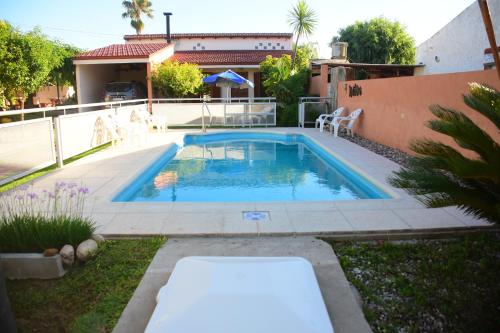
90	297
427	286
390	153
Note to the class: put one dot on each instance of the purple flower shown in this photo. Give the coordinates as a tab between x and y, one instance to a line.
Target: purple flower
23	187
32	195
72	194
19	197
51	195
72	185
83	190
60	185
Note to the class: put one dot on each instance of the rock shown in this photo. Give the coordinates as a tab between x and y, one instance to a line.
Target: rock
98	238
50	252
67	255
86	249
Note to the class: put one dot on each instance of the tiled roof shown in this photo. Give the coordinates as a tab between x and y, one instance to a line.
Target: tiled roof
228	57
122	51
212	35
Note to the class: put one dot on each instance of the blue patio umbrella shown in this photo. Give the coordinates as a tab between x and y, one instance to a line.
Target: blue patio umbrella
228	79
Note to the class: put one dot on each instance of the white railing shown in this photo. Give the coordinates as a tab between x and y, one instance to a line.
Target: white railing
220	112
25	147
55	111
311	107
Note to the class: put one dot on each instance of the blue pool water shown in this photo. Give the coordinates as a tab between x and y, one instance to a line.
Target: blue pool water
231	167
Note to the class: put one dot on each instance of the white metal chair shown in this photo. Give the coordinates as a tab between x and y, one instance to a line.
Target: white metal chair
345	122
327	118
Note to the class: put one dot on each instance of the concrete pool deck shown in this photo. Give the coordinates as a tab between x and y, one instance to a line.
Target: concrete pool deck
108	171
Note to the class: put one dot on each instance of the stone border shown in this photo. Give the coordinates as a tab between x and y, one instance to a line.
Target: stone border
31	266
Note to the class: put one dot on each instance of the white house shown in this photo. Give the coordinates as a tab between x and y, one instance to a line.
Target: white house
461	45
213	52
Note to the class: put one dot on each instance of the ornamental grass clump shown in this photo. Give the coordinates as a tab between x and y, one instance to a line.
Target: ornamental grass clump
33	221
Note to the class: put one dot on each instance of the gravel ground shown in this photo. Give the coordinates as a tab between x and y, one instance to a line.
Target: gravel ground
393	154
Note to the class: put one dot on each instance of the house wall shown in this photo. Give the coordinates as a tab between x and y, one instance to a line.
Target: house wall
190	44
395	110
315	83
90	80
459	46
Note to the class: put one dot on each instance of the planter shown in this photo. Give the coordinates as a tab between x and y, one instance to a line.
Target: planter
31	266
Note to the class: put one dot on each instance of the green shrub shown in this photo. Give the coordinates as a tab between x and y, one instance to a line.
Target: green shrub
33	222
173	79
287	116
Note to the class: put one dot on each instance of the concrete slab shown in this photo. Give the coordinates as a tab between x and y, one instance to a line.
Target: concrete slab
17	266
345	313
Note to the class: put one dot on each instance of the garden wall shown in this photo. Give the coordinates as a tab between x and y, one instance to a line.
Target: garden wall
395	110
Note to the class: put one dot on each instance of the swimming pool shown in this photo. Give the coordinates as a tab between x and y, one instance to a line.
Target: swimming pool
248	167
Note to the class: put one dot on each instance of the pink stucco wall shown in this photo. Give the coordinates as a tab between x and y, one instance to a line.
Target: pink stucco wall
395	110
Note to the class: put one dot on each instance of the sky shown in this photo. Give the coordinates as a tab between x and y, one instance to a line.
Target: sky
90	24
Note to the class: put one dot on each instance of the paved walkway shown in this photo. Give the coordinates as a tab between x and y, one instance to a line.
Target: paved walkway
108	171
345	314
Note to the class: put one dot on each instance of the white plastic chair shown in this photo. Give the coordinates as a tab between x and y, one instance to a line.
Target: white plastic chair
339	122
130	131
160	122
327	118
111	128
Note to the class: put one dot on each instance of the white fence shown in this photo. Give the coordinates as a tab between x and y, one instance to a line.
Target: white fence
25	147
311	107
59	133
217	112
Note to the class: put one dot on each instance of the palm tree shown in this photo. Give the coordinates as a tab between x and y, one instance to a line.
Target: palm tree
134	9
303	21
441	176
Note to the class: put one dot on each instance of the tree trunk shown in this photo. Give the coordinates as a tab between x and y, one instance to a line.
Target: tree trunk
295	51
7	322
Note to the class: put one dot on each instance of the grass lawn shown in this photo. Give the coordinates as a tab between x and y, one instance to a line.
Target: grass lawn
427	286
90	297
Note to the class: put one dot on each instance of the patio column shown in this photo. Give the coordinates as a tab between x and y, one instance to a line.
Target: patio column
150	87
251	91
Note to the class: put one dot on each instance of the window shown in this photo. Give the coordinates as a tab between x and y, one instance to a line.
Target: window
265	47
269	44
278	44
194	47
198	44
203	47
256	47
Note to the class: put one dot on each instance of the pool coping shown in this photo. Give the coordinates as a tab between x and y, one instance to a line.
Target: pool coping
109	171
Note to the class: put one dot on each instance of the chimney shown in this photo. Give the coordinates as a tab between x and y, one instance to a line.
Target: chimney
167	15
339	50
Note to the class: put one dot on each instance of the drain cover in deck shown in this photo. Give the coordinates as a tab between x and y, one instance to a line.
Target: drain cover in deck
256	216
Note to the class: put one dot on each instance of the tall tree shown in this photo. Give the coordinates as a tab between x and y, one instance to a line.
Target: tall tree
378	41
441	176
134	10
303	21
26	61
63	73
